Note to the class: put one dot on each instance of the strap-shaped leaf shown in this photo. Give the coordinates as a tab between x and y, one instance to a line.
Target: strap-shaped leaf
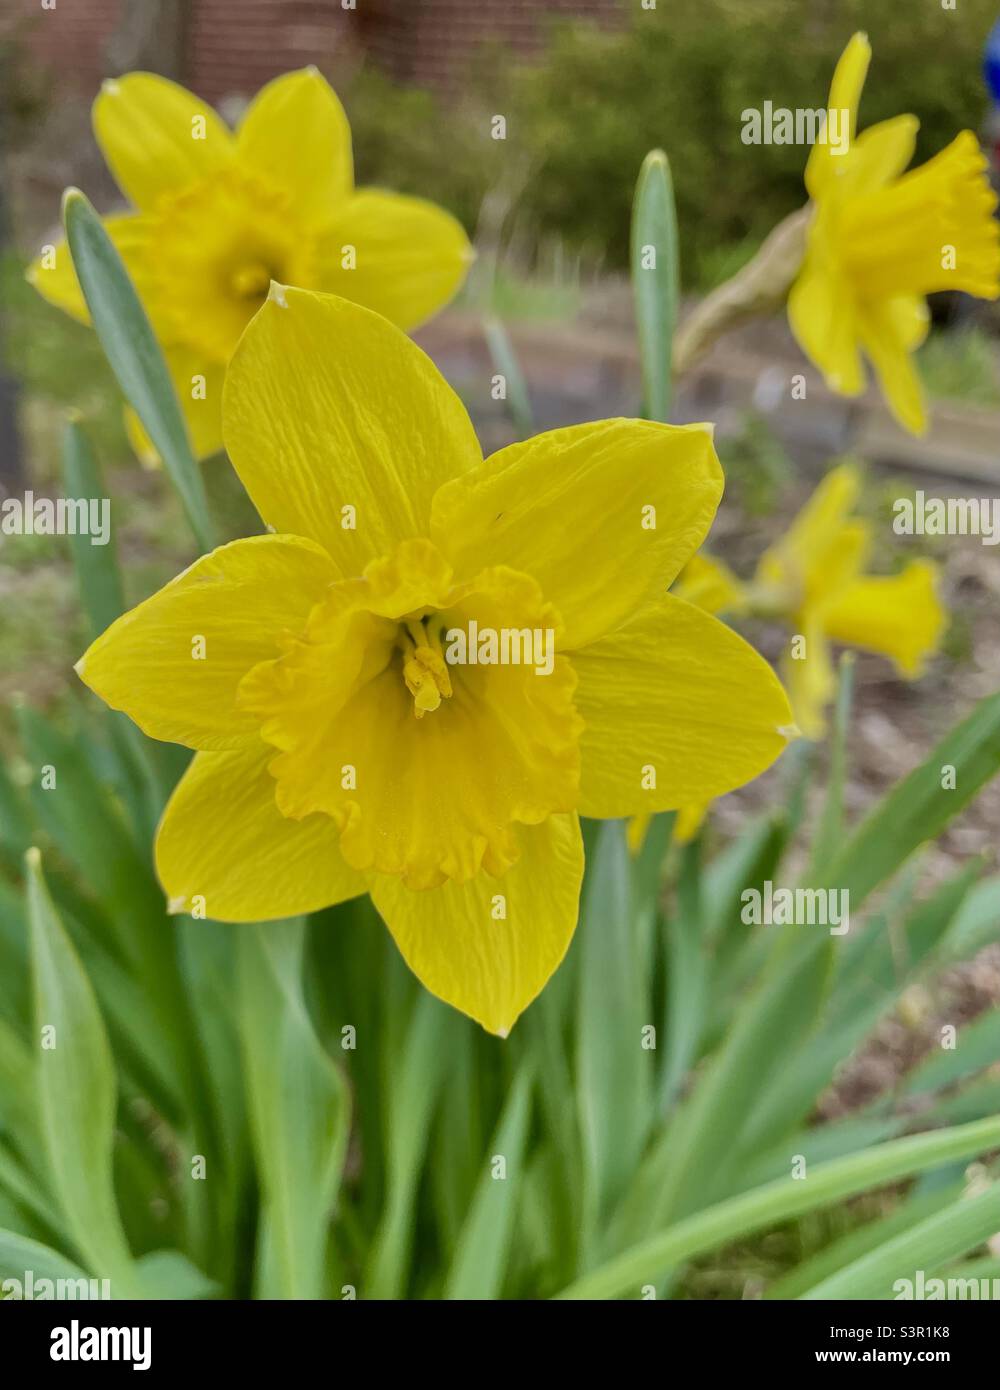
728	1221
133	353
655	280
77	1092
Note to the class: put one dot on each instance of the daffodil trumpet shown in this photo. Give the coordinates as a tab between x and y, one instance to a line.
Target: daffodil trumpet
338	750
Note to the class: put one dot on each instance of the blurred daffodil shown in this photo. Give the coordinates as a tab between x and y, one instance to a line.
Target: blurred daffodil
220	214
814	580
880	240
340	749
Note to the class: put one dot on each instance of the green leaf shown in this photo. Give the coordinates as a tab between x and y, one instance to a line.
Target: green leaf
918	808
687	977
871	1236
977	1045
416	1075
134	354
77	1092
655	286
978	923
731	1220
15	818
614	1072
506	362
931	1243
96	565
88	827
19	1255
480	1260
829	831
686	1160
857	1000
18	1180
17	1083
299	1109
169	1274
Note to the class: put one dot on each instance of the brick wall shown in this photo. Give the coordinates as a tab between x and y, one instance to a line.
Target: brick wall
237	47
70	40
430	41
233	46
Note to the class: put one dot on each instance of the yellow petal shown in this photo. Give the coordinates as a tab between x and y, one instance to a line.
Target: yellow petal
173	663
157	137
881	153
198	385
932	229
887	331
53	276
603	515
821	314
708	583
403	257
899	615
340	427
489	946
845	95
678	697
689	821
224	850
809	678
295	133
636	832
822	550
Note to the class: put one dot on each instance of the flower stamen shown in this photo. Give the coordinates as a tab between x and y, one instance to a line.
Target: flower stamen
424	668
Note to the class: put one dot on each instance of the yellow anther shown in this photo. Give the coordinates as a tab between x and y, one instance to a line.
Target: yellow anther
424	670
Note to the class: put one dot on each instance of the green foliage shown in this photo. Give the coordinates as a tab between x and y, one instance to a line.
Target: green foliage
656	278
961	366
134	354
582	118
348	1125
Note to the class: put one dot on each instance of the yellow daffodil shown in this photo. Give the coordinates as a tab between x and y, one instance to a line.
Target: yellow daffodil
813	579
220	214
341	749
880	240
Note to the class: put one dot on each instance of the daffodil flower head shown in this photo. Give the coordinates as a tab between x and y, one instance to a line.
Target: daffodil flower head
881	239
219	215
340	749
814	579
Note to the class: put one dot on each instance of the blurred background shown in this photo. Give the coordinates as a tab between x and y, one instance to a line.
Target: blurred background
586	88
